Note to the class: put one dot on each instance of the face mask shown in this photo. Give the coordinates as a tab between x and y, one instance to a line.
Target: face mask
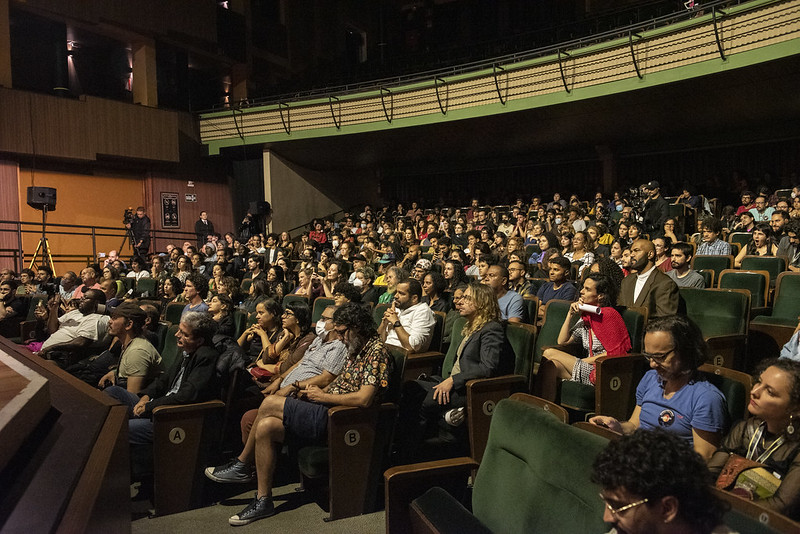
558	220
357	283
363	225
794	194
335	243
320	328
619	207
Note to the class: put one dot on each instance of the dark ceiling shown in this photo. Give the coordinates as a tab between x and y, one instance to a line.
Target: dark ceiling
742	106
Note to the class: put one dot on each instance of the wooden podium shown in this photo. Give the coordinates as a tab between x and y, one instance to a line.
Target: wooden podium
64	455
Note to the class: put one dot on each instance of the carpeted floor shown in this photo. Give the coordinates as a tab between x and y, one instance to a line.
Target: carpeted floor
295	514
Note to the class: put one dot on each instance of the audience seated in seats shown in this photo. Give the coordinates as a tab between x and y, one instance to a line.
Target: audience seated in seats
344	293
762	212
138	269
408	323
257	339
647	286
663	246
558	287
276	280
364	376
258	292
769	437
712	245
27	283
546	241
139	362
510	303
320	365
579	251
199	264
221	309
363	281
484	352
433	286
68	285
195	290
673	395
682	273
89	279
602	334
109	289
192	378
421	268
294	339
516	278
394	276
12	309
654	483
747	203
76	328
171	291
453	314
335	274
761	244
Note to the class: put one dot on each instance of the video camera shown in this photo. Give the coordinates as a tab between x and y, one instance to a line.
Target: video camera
127	218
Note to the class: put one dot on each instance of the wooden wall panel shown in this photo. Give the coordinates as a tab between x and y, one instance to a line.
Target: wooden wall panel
43	125
213	197
9	211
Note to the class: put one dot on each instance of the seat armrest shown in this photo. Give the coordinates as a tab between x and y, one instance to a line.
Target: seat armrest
570	348
728	350
615	384
422	362
407	482
483	394
183	409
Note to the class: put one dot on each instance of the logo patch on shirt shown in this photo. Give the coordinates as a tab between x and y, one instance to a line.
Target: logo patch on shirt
666	418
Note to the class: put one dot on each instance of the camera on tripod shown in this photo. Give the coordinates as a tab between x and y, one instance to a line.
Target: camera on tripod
127	218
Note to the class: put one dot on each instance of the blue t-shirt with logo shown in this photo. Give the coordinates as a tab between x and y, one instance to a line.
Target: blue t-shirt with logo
697	405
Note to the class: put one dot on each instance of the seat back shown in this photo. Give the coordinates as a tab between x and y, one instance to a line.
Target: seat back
752	517
635	319
240	322
615	387
319	306
708	277
173	312
455	341
756	282
524	463
294	298
717	311
787	297
531	309
438	331
735	385
774	265
742	238
712	263
544	404
161	334
147	287
522	338
169	354
555	312
380	309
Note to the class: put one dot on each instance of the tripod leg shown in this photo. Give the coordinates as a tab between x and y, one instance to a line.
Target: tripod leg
36	253
48	255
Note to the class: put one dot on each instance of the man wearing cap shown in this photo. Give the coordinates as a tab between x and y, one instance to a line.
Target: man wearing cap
139	362
656	209
421	268
359	262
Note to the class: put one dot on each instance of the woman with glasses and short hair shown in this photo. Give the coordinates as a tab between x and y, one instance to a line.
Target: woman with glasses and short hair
673	395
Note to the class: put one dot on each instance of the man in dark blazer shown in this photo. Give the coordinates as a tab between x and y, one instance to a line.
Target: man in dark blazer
202	229
647	286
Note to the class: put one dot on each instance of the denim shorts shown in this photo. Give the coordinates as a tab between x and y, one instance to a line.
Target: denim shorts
305	419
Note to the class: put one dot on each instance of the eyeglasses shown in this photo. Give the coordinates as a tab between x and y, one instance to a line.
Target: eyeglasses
616	511
657	357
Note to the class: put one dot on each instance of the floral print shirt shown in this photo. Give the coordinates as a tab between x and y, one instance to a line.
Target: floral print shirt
372	366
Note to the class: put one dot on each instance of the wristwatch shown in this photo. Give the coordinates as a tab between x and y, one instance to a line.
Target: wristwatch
397	324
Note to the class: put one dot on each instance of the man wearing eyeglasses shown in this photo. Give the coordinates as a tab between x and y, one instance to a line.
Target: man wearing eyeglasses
364	376
654	483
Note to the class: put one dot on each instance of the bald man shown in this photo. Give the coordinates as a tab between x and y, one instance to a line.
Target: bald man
647	286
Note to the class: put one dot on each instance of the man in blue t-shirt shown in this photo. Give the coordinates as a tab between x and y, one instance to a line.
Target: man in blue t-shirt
510	302
558	287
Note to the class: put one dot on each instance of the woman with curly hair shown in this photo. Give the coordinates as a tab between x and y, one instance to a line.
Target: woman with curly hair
433	286
454	276
483	352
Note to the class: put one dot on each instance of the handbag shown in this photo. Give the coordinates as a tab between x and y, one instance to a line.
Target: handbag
747	478
260	374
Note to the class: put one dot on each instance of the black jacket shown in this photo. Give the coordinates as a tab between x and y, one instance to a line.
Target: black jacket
199	382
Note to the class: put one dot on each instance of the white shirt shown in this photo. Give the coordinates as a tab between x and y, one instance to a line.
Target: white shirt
418	320
74	324
641	280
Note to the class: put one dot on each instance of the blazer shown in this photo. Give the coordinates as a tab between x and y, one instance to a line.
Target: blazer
199	381
659	294
487	353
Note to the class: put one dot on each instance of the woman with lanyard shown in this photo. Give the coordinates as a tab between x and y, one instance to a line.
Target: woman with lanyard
771	436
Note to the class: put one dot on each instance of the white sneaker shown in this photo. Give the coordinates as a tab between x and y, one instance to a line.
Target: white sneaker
455	417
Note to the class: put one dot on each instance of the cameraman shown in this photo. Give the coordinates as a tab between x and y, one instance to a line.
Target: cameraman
656	209
140	233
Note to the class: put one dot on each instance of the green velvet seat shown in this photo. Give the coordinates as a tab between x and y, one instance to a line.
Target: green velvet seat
717	264
294	298
723	316
774	265
786	306
319	306
534	477
554	315
756	282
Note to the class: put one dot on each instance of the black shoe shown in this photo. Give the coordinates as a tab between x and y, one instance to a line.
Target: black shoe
233	472
257	509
